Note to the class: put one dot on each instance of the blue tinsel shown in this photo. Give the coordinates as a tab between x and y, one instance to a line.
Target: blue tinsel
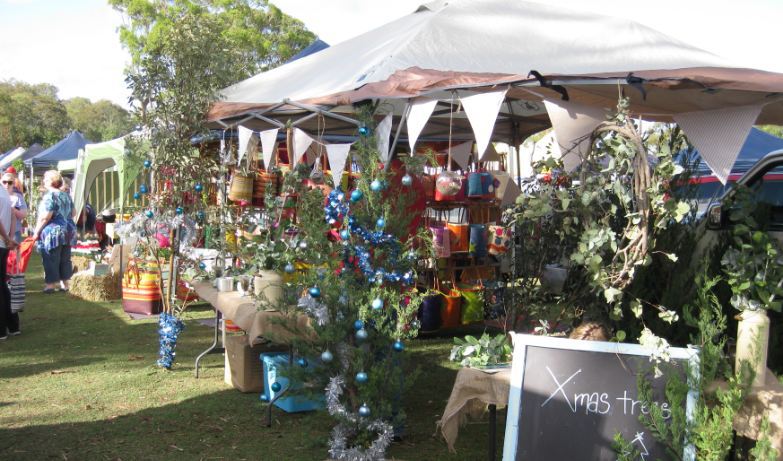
169	328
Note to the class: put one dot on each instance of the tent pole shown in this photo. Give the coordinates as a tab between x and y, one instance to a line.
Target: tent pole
403	117
325	113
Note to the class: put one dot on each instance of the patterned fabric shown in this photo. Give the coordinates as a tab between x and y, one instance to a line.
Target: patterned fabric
59	230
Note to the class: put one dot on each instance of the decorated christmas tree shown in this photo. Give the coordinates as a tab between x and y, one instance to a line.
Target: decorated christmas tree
358	287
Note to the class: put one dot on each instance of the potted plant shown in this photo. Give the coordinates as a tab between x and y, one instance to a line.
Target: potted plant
483	352
754	271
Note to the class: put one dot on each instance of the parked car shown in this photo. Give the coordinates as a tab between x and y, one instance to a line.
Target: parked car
706	188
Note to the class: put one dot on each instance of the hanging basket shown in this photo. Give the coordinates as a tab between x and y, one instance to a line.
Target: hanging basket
241	187
264	180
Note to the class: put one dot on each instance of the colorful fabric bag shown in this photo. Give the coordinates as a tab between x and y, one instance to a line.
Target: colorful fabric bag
459	236
480	185
449	186
440	240
499	240
472	304
478	240
140	292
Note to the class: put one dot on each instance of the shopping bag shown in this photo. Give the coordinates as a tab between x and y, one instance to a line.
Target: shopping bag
140	291
472	304
478	240
499	240
440	240
16	286
480	185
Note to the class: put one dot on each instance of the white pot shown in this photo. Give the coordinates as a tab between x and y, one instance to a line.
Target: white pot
268	286
753	343
225	284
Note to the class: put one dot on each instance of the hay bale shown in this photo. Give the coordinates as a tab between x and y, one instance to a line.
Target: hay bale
80	262
95	288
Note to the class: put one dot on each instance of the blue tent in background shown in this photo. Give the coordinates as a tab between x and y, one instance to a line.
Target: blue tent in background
66	149
15	155
757	145
314	47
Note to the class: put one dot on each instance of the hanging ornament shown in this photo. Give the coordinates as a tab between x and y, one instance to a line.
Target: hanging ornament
377	304
202	265
364	131
302	362
200	215
361	335
380	223
358	325
399	346
407	180
143	189
315	292
326	356
276	386
149	214
376	186
361	377
344	234
147	163
356	195
136	196
179	210
198	187
289	268
303	245
364	410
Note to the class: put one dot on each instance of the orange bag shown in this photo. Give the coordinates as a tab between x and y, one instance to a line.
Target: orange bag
459	236
451	313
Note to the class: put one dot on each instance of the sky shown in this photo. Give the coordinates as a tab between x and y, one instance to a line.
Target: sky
74	44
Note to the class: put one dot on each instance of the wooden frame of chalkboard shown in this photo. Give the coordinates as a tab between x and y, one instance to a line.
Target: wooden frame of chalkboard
571	412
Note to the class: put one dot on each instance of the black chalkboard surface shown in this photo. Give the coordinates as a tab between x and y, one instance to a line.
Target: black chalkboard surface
569	398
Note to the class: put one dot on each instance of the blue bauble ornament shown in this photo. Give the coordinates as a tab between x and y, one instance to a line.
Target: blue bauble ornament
201	215
361	335
344	234
364	410
136	196
302	362
315	292
276	387
179	210
202	266
380	223
407	180
143	189
377	304
147	163
356	195
326	356
198	187
149	214
361	377
399	346
289	268
358	325
376	185
364	131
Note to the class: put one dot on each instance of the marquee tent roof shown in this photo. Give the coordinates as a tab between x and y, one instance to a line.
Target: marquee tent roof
24	154
66	149
477	44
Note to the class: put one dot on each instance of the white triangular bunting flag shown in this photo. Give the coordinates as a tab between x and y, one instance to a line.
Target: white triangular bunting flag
418	116
302	141
482	111
718	135
337	154
573	123
244	140
382	133
268	141
461	154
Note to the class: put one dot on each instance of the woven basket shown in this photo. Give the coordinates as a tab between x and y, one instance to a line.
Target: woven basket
241	187
263	181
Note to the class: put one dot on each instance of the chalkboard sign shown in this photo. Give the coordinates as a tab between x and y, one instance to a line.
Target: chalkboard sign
569	398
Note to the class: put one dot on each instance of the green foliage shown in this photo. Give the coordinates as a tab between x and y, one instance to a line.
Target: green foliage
481	352
752	261
255	33
774	130
100	121
602	223
30	114
763	450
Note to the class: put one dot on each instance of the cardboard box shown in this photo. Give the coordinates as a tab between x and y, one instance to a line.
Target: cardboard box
243	369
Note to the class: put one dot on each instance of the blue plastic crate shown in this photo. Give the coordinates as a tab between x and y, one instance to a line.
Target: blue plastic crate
273	364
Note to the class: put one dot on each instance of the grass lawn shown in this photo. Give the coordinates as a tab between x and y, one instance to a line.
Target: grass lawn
80	383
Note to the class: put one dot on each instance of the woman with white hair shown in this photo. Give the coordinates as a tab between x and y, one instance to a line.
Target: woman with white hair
18	205
55	232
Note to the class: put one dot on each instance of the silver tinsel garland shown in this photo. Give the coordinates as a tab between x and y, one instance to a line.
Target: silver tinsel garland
314	309
347	429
